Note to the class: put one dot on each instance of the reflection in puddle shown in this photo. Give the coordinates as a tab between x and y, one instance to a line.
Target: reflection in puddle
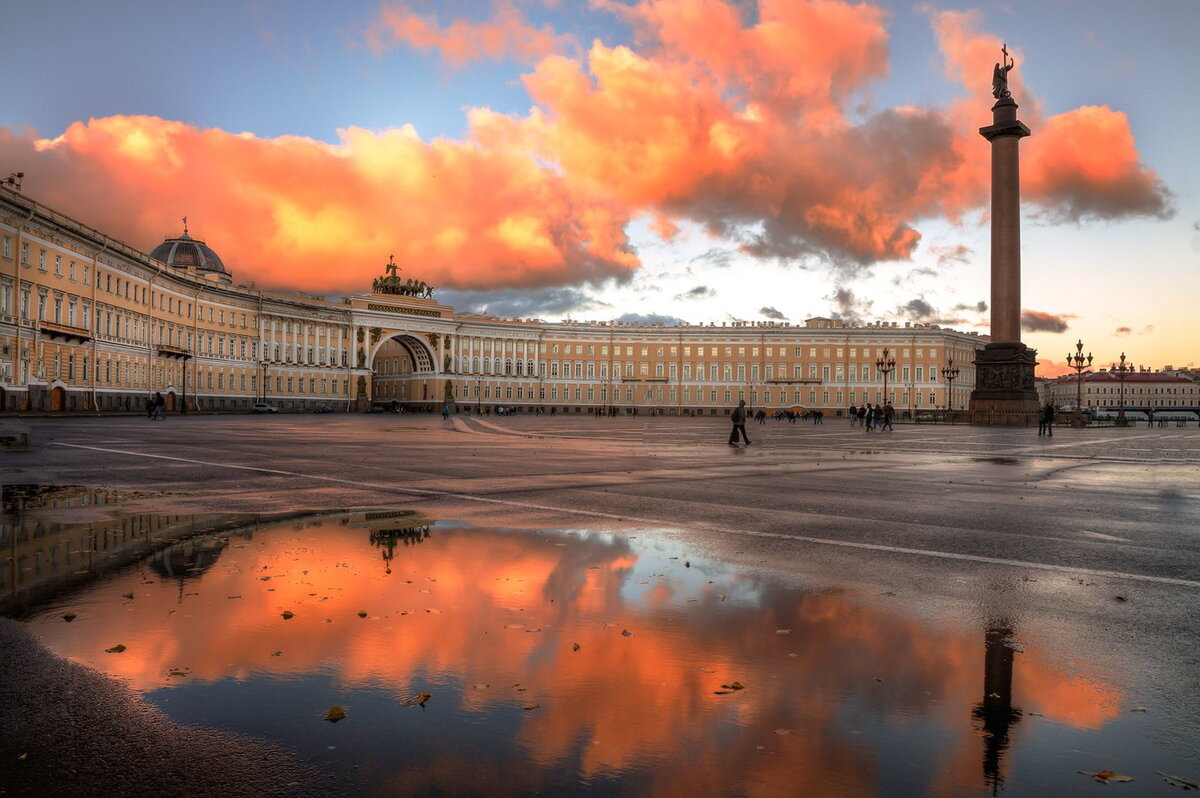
565	662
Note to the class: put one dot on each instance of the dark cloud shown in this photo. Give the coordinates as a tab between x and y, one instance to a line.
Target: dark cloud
1037	321
772	313
847	306
715	257
917	310
978	307
699	292
1123	331
650	318
522	303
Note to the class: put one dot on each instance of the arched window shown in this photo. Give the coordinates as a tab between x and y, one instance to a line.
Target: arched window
507	366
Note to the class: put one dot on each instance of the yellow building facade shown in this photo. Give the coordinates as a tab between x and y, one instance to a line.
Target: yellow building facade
89	324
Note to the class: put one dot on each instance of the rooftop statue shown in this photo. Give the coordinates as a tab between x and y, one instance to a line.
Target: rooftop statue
1000	74
390	283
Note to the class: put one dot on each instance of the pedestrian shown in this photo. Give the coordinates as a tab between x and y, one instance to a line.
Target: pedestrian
160	405
869	419
1047	420
738	417
888	412
862	415
445	412
150	407
853	414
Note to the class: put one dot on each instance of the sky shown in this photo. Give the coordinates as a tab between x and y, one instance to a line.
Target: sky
652	160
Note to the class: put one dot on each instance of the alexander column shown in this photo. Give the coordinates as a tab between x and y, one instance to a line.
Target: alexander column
1004	389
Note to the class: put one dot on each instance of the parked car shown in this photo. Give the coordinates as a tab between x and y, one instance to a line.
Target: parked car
264	407
324	409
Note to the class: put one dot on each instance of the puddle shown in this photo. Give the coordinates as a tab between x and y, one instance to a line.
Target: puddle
563	662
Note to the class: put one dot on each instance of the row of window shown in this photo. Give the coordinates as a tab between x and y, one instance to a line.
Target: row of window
554	393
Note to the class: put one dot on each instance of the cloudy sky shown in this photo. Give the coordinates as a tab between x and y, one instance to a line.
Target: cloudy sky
703	160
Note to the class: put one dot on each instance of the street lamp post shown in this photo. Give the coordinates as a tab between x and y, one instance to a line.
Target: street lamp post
950	374
1122	371
1082	366
886	365
478	379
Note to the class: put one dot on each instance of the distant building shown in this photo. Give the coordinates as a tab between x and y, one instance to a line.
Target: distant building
1145	391
89	324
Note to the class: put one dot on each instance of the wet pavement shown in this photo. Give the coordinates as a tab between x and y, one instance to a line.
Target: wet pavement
935	611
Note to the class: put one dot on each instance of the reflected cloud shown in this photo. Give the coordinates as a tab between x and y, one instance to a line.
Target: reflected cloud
605	658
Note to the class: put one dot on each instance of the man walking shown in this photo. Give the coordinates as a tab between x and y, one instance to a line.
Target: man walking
888	412
738	417
870	417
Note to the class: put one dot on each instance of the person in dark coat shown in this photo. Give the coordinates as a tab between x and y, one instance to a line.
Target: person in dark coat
1046	420
738	417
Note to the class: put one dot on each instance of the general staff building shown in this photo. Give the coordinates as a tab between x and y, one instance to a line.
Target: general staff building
90	324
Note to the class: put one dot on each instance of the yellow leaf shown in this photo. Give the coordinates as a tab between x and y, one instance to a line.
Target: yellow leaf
335	714
288	615
117	649
1105	776
419	700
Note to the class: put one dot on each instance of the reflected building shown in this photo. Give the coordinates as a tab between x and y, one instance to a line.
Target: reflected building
88	323
43	556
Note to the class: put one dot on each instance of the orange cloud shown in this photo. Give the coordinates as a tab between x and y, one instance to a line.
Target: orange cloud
758	128
294	212
506	35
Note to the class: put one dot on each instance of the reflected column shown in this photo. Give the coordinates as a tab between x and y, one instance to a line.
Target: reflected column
996	710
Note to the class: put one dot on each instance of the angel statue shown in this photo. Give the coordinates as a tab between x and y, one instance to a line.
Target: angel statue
1000	75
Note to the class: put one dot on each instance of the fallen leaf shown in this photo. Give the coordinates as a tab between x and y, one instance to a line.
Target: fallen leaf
70	616
783	631
128	595
576	647
1105	776
335	714
232	597
531	707
276	653
117	649
362	613
626	633
288	615
1179	781
418	700
1121	598
734	686
783	732
1138	709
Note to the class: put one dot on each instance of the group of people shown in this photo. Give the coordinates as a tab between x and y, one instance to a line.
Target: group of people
874	418
156	407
